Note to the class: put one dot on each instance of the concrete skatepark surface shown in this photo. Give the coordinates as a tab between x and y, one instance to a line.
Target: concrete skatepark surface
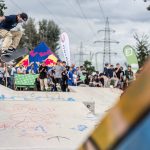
51	120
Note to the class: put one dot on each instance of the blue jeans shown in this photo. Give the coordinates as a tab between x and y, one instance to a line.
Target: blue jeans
8	82
1	80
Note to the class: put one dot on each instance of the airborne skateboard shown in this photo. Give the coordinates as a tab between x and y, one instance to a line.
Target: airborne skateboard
16	54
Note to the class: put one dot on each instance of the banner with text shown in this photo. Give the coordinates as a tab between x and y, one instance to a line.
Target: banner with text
64	39
131	57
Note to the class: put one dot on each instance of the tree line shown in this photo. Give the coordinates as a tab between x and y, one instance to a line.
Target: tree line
45	30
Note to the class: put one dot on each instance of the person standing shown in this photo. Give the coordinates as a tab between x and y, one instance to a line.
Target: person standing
129	75
106	67
31	70
64	86
21	70
118	71
12	76
70	77
1	74
7	72
111	71
58	69
75	78
43	76
37	83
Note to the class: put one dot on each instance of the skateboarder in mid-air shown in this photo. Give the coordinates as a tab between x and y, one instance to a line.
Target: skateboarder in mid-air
10	38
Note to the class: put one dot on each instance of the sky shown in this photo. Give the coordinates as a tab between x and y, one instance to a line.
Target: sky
81	20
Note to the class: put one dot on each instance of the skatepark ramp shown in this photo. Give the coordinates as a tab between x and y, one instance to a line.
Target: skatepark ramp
51	120
127	125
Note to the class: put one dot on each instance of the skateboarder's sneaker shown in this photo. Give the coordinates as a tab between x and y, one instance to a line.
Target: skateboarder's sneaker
11	50
7	52
4	52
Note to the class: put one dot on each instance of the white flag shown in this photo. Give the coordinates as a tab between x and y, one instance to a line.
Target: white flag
64	39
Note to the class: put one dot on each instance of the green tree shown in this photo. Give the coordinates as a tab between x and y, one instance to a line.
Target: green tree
30	36
88	67
2	7
49	32
142	48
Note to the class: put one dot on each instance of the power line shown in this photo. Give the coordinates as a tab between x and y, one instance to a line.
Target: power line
45	7
76	12
12	8
80	15
78	2
64	28
101	9
16	5
72	8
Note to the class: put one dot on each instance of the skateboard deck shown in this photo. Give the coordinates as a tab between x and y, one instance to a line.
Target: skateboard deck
16	54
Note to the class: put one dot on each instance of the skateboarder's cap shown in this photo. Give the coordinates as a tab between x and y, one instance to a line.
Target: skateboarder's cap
24	16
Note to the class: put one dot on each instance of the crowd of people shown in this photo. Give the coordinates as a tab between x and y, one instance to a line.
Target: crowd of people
112	76
61	76
56	78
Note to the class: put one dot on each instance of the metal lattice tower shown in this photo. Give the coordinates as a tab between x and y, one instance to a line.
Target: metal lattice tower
107	43
81	54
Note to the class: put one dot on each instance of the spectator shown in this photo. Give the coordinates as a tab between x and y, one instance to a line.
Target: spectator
101	78
37	83
51	74
106	70
118	70
121	79
79	71
12	75
32	70
50	80
43	76
75	78
64	64
97	73
65	81
58	74
111	71
70	75
88	79
129	76
96	81
34	66
1	74
106	81
114	81
7	72
82	68
73	68
21	70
